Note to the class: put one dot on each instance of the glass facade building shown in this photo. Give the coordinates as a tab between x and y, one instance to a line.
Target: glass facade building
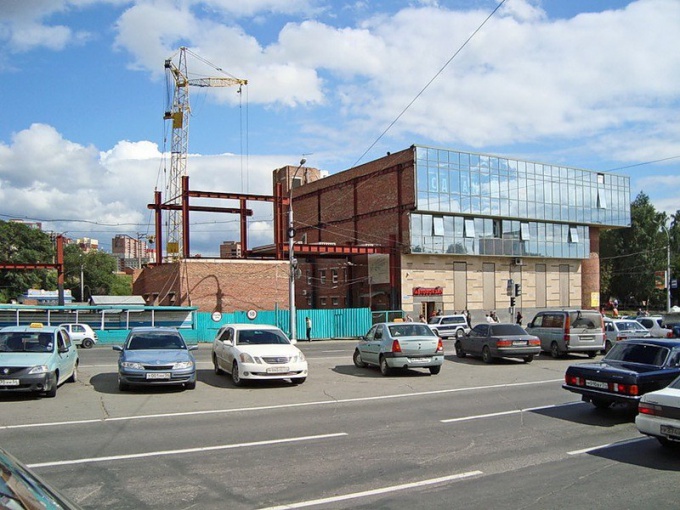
478	204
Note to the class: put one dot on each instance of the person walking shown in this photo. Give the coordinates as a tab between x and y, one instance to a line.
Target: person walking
308	324
519	318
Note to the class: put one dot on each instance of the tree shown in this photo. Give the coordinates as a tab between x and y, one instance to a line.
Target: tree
97	269
23	244
631	256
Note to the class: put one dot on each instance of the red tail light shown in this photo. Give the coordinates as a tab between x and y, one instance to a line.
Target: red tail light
651	409
567	328
440	346
395	346
503	343
572	380
535	341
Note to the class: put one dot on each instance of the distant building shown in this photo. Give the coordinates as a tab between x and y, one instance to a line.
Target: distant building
230	250
33	224
87	244
132	253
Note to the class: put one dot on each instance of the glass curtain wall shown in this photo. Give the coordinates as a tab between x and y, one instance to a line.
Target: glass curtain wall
486	205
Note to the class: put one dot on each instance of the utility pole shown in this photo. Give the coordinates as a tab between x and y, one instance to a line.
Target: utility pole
291	255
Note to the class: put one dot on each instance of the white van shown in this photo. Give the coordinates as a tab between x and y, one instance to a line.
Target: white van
566	331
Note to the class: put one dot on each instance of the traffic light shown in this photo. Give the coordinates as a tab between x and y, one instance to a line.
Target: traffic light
518	289
512	301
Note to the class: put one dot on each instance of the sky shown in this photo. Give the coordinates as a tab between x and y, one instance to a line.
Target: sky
83	143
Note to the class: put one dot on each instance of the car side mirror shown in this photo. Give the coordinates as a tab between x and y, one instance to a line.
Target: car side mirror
63	350
118	348
530	325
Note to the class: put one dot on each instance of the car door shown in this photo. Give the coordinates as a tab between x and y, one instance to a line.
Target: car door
66	355
370	349
476	339
220	347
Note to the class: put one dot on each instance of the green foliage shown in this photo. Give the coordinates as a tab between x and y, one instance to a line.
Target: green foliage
22	244
98	273
630	256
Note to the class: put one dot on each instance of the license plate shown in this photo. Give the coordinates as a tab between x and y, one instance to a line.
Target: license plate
598	384
9	382
420	360
158	375
587	338
277	370
519	343
668	430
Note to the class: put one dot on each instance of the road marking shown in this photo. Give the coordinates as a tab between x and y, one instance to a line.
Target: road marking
608	445
502	413
282	406
184	451
374	492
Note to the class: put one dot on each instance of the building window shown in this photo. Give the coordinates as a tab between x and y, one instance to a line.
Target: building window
601	199
335	301
497	231
322	276
309	277
323	301
334	275
524	234
309	301
438	226
573	235
469	230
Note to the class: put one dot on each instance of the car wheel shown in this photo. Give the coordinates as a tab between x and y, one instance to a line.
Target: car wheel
529	358
235	375
191	385
385	369
87	343
52	392
298	380
358	362
555	350
460	352
607	347
216	365
592	354
74	375
601	404
459	333
435	370
486	355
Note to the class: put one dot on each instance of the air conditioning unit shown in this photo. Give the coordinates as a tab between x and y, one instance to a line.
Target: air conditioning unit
517	261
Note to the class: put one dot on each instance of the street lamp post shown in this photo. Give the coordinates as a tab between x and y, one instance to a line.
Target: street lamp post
668	269
291	255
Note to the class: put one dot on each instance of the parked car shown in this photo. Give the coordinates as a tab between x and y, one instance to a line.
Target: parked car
659	414
81	334
446	326
491	341
22	488
153	356
616	330
393	345
257	352
36	358
569	331
629	370
654	324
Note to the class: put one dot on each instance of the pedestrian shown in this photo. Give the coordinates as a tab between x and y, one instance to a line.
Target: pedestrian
439	312
308	324
489	318
494	317
422	318
468	318
519	318
409	318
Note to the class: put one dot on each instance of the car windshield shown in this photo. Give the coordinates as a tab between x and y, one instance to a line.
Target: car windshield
506	330
142	341
261	337
587	320
26	342
646	354
401	330
630	326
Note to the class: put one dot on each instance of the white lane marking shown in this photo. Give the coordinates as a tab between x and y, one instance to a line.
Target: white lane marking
502	413
374	492
284	406
608	445
186	450
335	350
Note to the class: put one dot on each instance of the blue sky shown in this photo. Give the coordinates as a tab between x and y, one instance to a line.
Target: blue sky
83	144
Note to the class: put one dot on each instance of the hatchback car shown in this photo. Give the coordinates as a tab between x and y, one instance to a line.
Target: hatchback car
616	330
392	345
654	324
257	352
81	334
659	414
36	358
155	356
491	341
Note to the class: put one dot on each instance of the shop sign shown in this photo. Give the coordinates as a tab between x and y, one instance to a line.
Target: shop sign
428	291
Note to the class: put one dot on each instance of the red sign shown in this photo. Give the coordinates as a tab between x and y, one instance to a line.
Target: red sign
428	291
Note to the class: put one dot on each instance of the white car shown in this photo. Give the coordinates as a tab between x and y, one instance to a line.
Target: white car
257	352
659	414
616	330
81	335
654	325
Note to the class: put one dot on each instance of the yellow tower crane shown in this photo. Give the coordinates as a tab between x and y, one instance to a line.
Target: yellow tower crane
179	113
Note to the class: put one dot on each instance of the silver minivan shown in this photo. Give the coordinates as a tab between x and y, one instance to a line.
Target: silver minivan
566	331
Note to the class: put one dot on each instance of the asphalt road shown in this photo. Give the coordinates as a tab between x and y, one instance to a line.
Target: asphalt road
475	436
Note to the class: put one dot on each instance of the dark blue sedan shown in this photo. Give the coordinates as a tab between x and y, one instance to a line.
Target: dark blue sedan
155	356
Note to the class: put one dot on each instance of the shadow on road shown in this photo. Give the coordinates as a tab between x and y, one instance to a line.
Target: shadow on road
374	372
588	414
644	452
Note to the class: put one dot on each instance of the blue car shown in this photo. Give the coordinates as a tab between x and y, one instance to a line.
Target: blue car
36	359
154	356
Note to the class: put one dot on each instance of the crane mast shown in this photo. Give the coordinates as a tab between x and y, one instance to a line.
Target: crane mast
179	113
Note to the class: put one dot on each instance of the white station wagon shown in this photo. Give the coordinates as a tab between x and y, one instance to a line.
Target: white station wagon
257	352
